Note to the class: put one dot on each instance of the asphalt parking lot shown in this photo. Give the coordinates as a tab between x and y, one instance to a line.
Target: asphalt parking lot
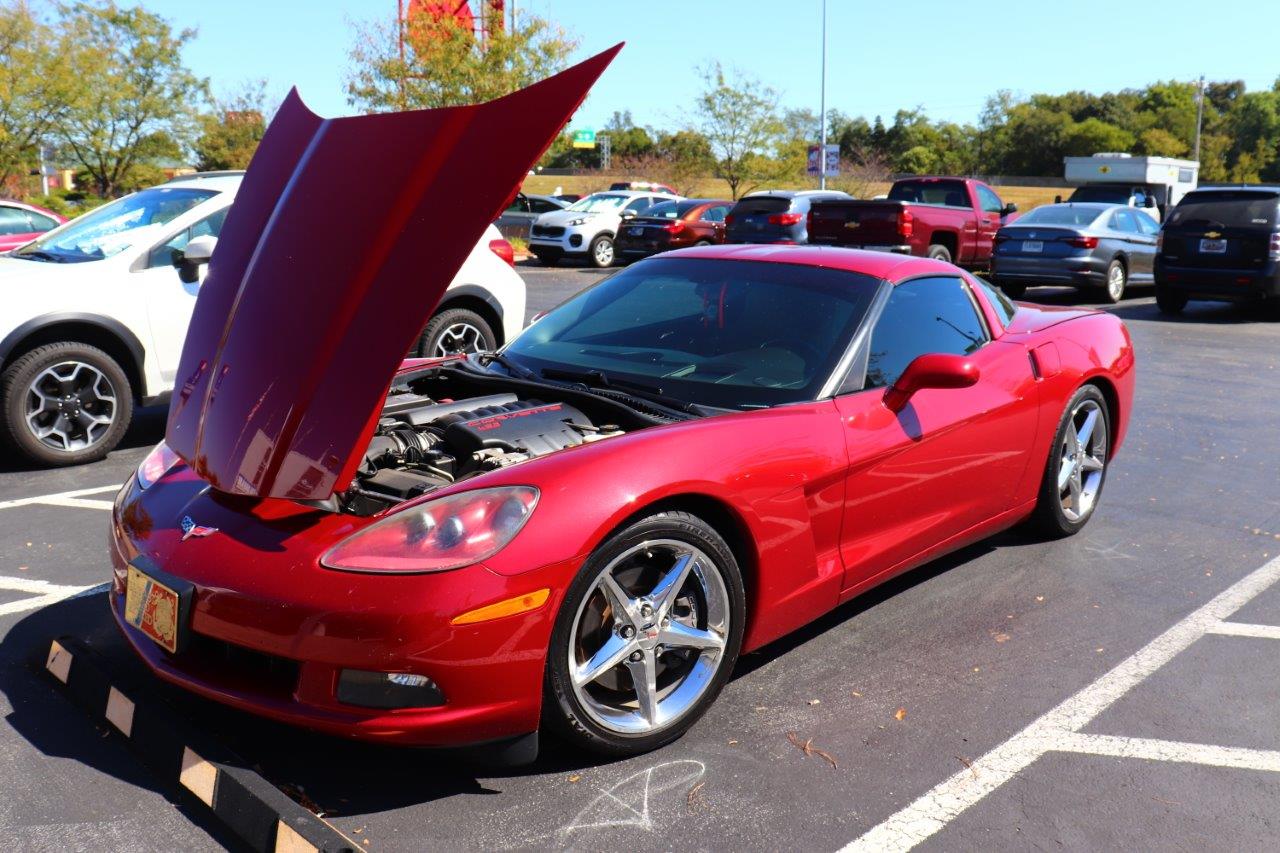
1118	689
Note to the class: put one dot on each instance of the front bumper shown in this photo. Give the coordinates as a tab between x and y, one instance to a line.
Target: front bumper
572	242
271	629
1220	285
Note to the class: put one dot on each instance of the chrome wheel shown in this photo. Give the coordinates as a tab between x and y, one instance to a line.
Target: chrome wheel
1082	460
459	339
602	251
649	637
70	406
1115	282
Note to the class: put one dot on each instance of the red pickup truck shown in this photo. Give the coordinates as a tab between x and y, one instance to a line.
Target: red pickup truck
952	219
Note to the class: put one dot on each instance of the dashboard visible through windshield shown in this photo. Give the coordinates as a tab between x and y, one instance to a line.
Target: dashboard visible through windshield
722	333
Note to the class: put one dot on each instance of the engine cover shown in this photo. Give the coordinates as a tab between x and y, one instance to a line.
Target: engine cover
528	426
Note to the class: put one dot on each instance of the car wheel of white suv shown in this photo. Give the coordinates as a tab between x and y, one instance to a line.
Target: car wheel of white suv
456	331
65	403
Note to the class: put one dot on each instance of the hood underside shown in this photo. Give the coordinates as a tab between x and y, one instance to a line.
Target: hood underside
344	236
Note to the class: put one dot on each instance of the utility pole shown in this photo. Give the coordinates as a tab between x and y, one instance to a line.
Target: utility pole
822	106
44	174
1199	117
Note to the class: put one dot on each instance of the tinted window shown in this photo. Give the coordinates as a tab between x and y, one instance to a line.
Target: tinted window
1003	305
734	334
1107	194
716	213
14	221
949	193
1059	214
1123	220
1226	208
762	204
541	205
1146	224
922	316
519	205
639	204
40	222
990	202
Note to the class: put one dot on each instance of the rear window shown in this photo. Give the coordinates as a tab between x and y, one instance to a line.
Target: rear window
948	193
671	209
1227	209
1060	215
764	204
1106	195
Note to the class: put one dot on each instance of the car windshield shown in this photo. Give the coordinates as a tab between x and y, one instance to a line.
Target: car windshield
670	209
729	334
113	228
599	202
1108	195
1060	214
1226	209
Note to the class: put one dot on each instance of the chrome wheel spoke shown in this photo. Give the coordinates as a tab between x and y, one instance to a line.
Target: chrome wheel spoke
644	677
678	635
1067	469
1091	463
613	652
1085	433
664	594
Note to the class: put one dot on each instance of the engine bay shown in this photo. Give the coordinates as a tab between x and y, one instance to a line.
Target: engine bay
433	432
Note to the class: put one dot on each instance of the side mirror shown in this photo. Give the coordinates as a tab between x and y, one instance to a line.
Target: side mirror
628	214
1008	208
933	370
194	256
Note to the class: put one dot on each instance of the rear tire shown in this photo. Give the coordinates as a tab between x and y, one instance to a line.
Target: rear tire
1170	302
454	331
938	252
1117	278
603	712
75	392
1076	469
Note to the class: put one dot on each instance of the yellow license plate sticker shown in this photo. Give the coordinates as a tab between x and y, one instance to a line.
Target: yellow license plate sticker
152	608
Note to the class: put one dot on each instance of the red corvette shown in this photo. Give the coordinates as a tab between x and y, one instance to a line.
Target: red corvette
690	459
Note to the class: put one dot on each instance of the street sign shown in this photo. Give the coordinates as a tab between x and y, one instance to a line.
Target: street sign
832	160
584	139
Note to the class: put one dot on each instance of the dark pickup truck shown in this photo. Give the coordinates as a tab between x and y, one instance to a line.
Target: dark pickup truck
952	219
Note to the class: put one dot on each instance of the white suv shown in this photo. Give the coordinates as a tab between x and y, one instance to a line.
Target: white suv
586	228
97	309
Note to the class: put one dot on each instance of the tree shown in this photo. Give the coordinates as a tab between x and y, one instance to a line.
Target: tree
1092	136
230	134
443	63
34	87
739	118
1155	142
679	159
135	99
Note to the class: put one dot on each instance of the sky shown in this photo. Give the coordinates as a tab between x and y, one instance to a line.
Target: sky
946	57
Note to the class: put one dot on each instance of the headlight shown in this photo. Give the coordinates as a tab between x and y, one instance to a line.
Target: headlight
574	223
156	465
447	533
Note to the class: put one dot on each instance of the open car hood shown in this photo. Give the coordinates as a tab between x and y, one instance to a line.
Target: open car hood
342	239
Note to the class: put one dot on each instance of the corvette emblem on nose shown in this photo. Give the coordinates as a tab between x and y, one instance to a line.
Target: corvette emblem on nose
190	528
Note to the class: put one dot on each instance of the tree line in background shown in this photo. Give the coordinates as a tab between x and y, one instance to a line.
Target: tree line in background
103	90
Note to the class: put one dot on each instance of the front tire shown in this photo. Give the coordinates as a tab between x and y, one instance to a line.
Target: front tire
1077	465
65	403
601	253
646	637
456	331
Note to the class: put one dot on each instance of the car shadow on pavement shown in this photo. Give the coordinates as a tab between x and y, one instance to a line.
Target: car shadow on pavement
57	729
1199	313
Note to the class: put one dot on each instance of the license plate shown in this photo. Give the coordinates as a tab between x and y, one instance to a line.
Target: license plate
153	608
1213	247
1033	245
637	231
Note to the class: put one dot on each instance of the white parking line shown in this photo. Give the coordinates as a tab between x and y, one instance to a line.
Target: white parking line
1240	629
73	498
1059	729
42	593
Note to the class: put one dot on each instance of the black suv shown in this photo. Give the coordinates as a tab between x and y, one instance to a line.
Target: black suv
1220	244
774	216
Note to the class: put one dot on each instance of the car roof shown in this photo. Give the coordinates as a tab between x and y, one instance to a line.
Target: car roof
219	181
632	193
792	193
1235	188
884	265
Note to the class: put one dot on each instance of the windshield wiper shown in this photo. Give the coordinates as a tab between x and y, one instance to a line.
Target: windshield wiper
40	255
598	379
486	358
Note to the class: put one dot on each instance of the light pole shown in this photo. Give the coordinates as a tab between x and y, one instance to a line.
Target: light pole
822	106
1199	117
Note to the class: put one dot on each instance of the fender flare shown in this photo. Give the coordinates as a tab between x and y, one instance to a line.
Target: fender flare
109	325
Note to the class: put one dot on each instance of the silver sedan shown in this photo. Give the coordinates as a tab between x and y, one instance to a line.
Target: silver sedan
1097	247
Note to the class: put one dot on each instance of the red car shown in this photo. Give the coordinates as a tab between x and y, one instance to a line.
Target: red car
673	225
581	533
21	223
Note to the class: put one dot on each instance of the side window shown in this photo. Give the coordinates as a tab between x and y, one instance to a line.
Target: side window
1003	305
40	222
923	316
640	204
14	221
1123	220
716	213
541	205
1146	224
990	201
211	226
519	204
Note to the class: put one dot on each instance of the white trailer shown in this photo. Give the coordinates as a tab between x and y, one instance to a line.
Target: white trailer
1154	183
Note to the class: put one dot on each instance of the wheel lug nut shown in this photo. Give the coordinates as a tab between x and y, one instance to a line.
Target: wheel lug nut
628	632
646	611
636	657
